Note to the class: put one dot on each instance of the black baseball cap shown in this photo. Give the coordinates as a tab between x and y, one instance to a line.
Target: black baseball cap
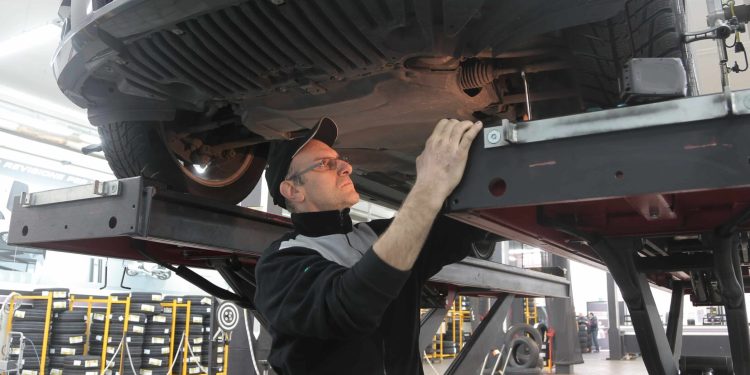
281	153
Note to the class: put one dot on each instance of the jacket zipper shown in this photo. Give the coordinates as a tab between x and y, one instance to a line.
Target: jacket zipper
382	342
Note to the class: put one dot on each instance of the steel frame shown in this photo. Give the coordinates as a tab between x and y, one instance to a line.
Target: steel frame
662	350
429	325
488	335
656	168
674	320
619	255
132	218
159	225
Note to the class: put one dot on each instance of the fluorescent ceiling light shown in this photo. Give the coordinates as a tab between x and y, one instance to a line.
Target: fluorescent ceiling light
47	107
29	39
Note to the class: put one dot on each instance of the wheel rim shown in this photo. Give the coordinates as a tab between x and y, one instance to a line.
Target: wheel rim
217	173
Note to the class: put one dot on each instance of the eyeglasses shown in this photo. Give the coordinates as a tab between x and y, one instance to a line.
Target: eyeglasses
322	165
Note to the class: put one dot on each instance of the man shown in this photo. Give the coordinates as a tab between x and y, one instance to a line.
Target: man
342	298
594	330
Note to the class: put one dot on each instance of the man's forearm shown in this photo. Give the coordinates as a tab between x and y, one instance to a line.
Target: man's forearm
401	243
439	169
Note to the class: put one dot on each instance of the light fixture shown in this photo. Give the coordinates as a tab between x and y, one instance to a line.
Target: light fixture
34	103
29	39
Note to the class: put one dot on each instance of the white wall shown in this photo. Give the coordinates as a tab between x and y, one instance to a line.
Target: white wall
705	53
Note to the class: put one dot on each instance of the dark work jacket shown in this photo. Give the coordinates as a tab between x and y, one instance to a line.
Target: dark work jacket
593	324
334	307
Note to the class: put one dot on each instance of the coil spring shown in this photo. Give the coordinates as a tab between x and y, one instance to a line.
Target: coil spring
474	74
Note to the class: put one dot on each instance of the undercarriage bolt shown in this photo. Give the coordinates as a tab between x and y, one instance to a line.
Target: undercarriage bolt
493	136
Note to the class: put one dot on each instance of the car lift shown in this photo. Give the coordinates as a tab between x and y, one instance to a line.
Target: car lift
682	165
655	189
659	190
136	219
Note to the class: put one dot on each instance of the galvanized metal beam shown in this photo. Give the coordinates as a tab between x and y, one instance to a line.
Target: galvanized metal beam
490	276
599	161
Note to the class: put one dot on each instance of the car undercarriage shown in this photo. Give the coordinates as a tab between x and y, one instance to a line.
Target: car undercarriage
190	95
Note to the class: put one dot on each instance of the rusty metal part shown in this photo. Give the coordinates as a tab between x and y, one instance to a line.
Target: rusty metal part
477	73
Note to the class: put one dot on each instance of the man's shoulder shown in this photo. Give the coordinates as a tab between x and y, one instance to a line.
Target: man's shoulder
283	242
378	225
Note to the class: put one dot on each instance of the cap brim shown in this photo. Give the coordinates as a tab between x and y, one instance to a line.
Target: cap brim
325	131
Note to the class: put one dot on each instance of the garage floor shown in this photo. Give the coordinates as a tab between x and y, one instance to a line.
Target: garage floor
593	363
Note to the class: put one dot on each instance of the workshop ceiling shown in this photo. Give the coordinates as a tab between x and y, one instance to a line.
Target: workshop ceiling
26	68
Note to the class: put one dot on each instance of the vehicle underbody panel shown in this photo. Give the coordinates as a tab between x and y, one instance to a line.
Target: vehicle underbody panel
283	66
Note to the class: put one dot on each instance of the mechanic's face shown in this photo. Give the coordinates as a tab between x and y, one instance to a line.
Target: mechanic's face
322	190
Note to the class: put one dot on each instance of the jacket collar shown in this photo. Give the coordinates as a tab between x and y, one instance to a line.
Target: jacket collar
322	223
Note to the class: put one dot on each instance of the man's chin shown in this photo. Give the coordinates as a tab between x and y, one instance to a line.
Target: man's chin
353	199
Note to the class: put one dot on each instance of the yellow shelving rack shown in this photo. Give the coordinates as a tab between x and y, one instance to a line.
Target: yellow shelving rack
456	315
47	319
89	302
530	311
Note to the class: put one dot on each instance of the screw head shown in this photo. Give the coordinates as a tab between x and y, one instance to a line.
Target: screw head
493	136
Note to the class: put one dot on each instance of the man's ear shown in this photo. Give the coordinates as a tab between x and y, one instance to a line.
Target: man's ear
291	192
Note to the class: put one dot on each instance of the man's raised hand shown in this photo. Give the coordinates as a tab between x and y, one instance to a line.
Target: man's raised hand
441	165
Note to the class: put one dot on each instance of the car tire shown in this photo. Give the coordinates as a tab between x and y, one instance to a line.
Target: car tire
644	28
137	148
524	353
522	329
484	247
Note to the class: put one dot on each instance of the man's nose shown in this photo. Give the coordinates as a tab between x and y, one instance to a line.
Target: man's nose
344	168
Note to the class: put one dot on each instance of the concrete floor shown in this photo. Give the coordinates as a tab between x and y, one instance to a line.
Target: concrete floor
593	363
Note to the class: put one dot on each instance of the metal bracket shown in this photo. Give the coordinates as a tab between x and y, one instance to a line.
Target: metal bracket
96	190
723	29
740	102
501	135
666	113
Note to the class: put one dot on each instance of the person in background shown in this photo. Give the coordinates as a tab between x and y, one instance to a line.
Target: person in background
594	331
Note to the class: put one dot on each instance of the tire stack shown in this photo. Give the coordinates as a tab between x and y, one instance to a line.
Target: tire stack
219	355
96	335
133	341
155	353
81	365
68	339
143	305
60	303
161	343
30	322
59	298
583	335
200	311
201	306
